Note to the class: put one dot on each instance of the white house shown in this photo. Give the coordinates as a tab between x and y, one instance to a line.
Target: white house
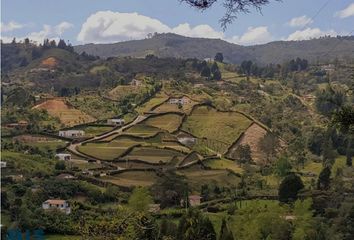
135	82
117	121
72	133
182	100
65	176
3	164
63	156
59	204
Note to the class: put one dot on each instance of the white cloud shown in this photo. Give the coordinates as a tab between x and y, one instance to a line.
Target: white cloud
48	31
346	12
300	21
108	26
198	31
309	33
254	35
10	26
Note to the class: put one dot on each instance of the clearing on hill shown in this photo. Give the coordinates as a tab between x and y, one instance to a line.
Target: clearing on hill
252	136
50	62
67	115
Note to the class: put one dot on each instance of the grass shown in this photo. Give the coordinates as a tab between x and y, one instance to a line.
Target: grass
169	122
135	178
104	151
158	99
225	127
142	130
340	162
26	163
167	107
153	155
97	106
44	143
313	167
122	91
197	177
223	164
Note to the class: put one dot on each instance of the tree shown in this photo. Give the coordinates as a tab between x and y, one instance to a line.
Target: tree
60	165
232	7
140	199
324	179
282	167
27	41
61	44
344	121
289	188
243	154
269	145
194	226
225	233
205	72
169	189
219	57
217	75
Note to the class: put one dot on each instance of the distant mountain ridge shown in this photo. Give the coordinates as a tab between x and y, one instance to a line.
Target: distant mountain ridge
173	45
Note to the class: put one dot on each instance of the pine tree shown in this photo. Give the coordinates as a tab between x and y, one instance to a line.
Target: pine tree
324	179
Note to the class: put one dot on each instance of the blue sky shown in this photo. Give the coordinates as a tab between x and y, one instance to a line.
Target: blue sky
104	21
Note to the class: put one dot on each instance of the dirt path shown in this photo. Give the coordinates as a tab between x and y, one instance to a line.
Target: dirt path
73	146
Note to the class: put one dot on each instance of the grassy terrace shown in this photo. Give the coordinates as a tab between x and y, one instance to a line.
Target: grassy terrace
153	155
135	178
223	164
207	122
169	122
142	130
158	99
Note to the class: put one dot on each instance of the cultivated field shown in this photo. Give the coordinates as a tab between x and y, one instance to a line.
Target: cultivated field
153	155
67	114
134	178
224	127
169	122
104	151
142	130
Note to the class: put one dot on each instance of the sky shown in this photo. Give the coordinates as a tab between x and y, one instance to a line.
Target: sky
108	21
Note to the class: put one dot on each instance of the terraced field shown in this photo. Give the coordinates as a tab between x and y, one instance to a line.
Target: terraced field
91	131
169	122
197	177
223	164
40	141
122	91
224	127
153	155
142	130
134	178
153	102
104	151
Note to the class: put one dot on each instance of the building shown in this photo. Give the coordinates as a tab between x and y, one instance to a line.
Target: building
186	139
3	164
328	68
117	121
194	200
154	208
72	133
63	156
135	82
182	100
65	176
59	204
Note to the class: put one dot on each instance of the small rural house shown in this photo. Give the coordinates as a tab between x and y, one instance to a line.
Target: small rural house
116	121
3	164
186	139
183	100
72	133
63	156
135	82
154	208
65	176
59	204
194	200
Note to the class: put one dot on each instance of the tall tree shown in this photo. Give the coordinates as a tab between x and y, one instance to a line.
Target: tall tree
219	57
324	178
140	199
289	188
232	7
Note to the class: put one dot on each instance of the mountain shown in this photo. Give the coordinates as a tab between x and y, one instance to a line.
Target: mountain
173	45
